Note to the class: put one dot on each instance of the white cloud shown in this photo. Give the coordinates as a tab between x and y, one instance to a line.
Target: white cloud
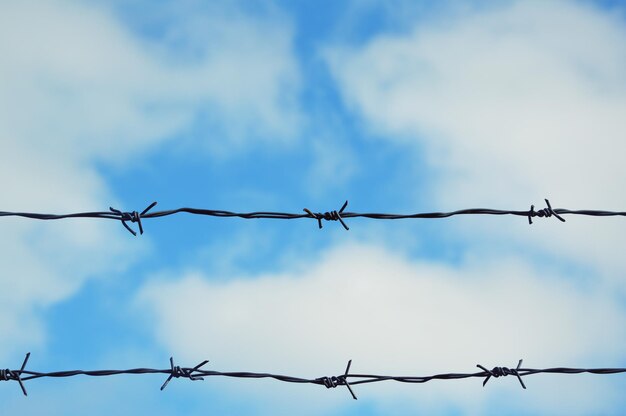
395	316
78	87
511	104
102	90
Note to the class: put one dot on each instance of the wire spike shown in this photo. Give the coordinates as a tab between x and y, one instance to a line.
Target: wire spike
6	375
328	216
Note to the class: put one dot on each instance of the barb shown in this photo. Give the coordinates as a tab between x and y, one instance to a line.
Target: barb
346	379
501	372
341	215
177	372
342	380
546	212
132	217
329	216
6	375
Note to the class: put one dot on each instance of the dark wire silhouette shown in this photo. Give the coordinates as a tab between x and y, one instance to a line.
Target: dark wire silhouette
340	215
347	379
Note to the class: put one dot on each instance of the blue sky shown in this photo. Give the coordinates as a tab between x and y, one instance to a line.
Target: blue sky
395	106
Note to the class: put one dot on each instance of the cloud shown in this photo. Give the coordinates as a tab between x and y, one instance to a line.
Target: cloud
508	104
392	315
79	89
105	91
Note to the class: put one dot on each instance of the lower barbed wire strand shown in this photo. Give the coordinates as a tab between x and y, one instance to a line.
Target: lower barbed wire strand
346	379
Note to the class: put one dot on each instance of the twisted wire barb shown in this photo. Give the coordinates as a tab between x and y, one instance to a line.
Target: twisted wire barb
340	215
501	372
177	371
329	216
132	217
16	375
197	373
342	380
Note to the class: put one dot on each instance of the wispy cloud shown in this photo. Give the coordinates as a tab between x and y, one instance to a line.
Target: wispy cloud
511	104
394	315
79	88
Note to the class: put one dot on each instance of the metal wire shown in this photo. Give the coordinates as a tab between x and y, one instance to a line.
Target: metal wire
340	215
347	379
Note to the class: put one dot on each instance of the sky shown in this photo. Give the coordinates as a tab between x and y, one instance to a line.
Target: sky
395	106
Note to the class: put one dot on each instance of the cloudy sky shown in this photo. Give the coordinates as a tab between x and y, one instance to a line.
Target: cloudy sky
398	106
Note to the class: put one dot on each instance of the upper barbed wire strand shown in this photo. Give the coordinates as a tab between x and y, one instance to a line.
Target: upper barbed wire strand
333	215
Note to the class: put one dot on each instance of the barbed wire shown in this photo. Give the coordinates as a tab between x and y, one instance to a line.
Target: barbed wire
336	215
347	379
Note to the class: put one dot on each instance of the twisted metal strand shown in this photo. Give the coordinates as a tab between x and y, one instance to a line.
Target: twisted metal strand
340	215
346	379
